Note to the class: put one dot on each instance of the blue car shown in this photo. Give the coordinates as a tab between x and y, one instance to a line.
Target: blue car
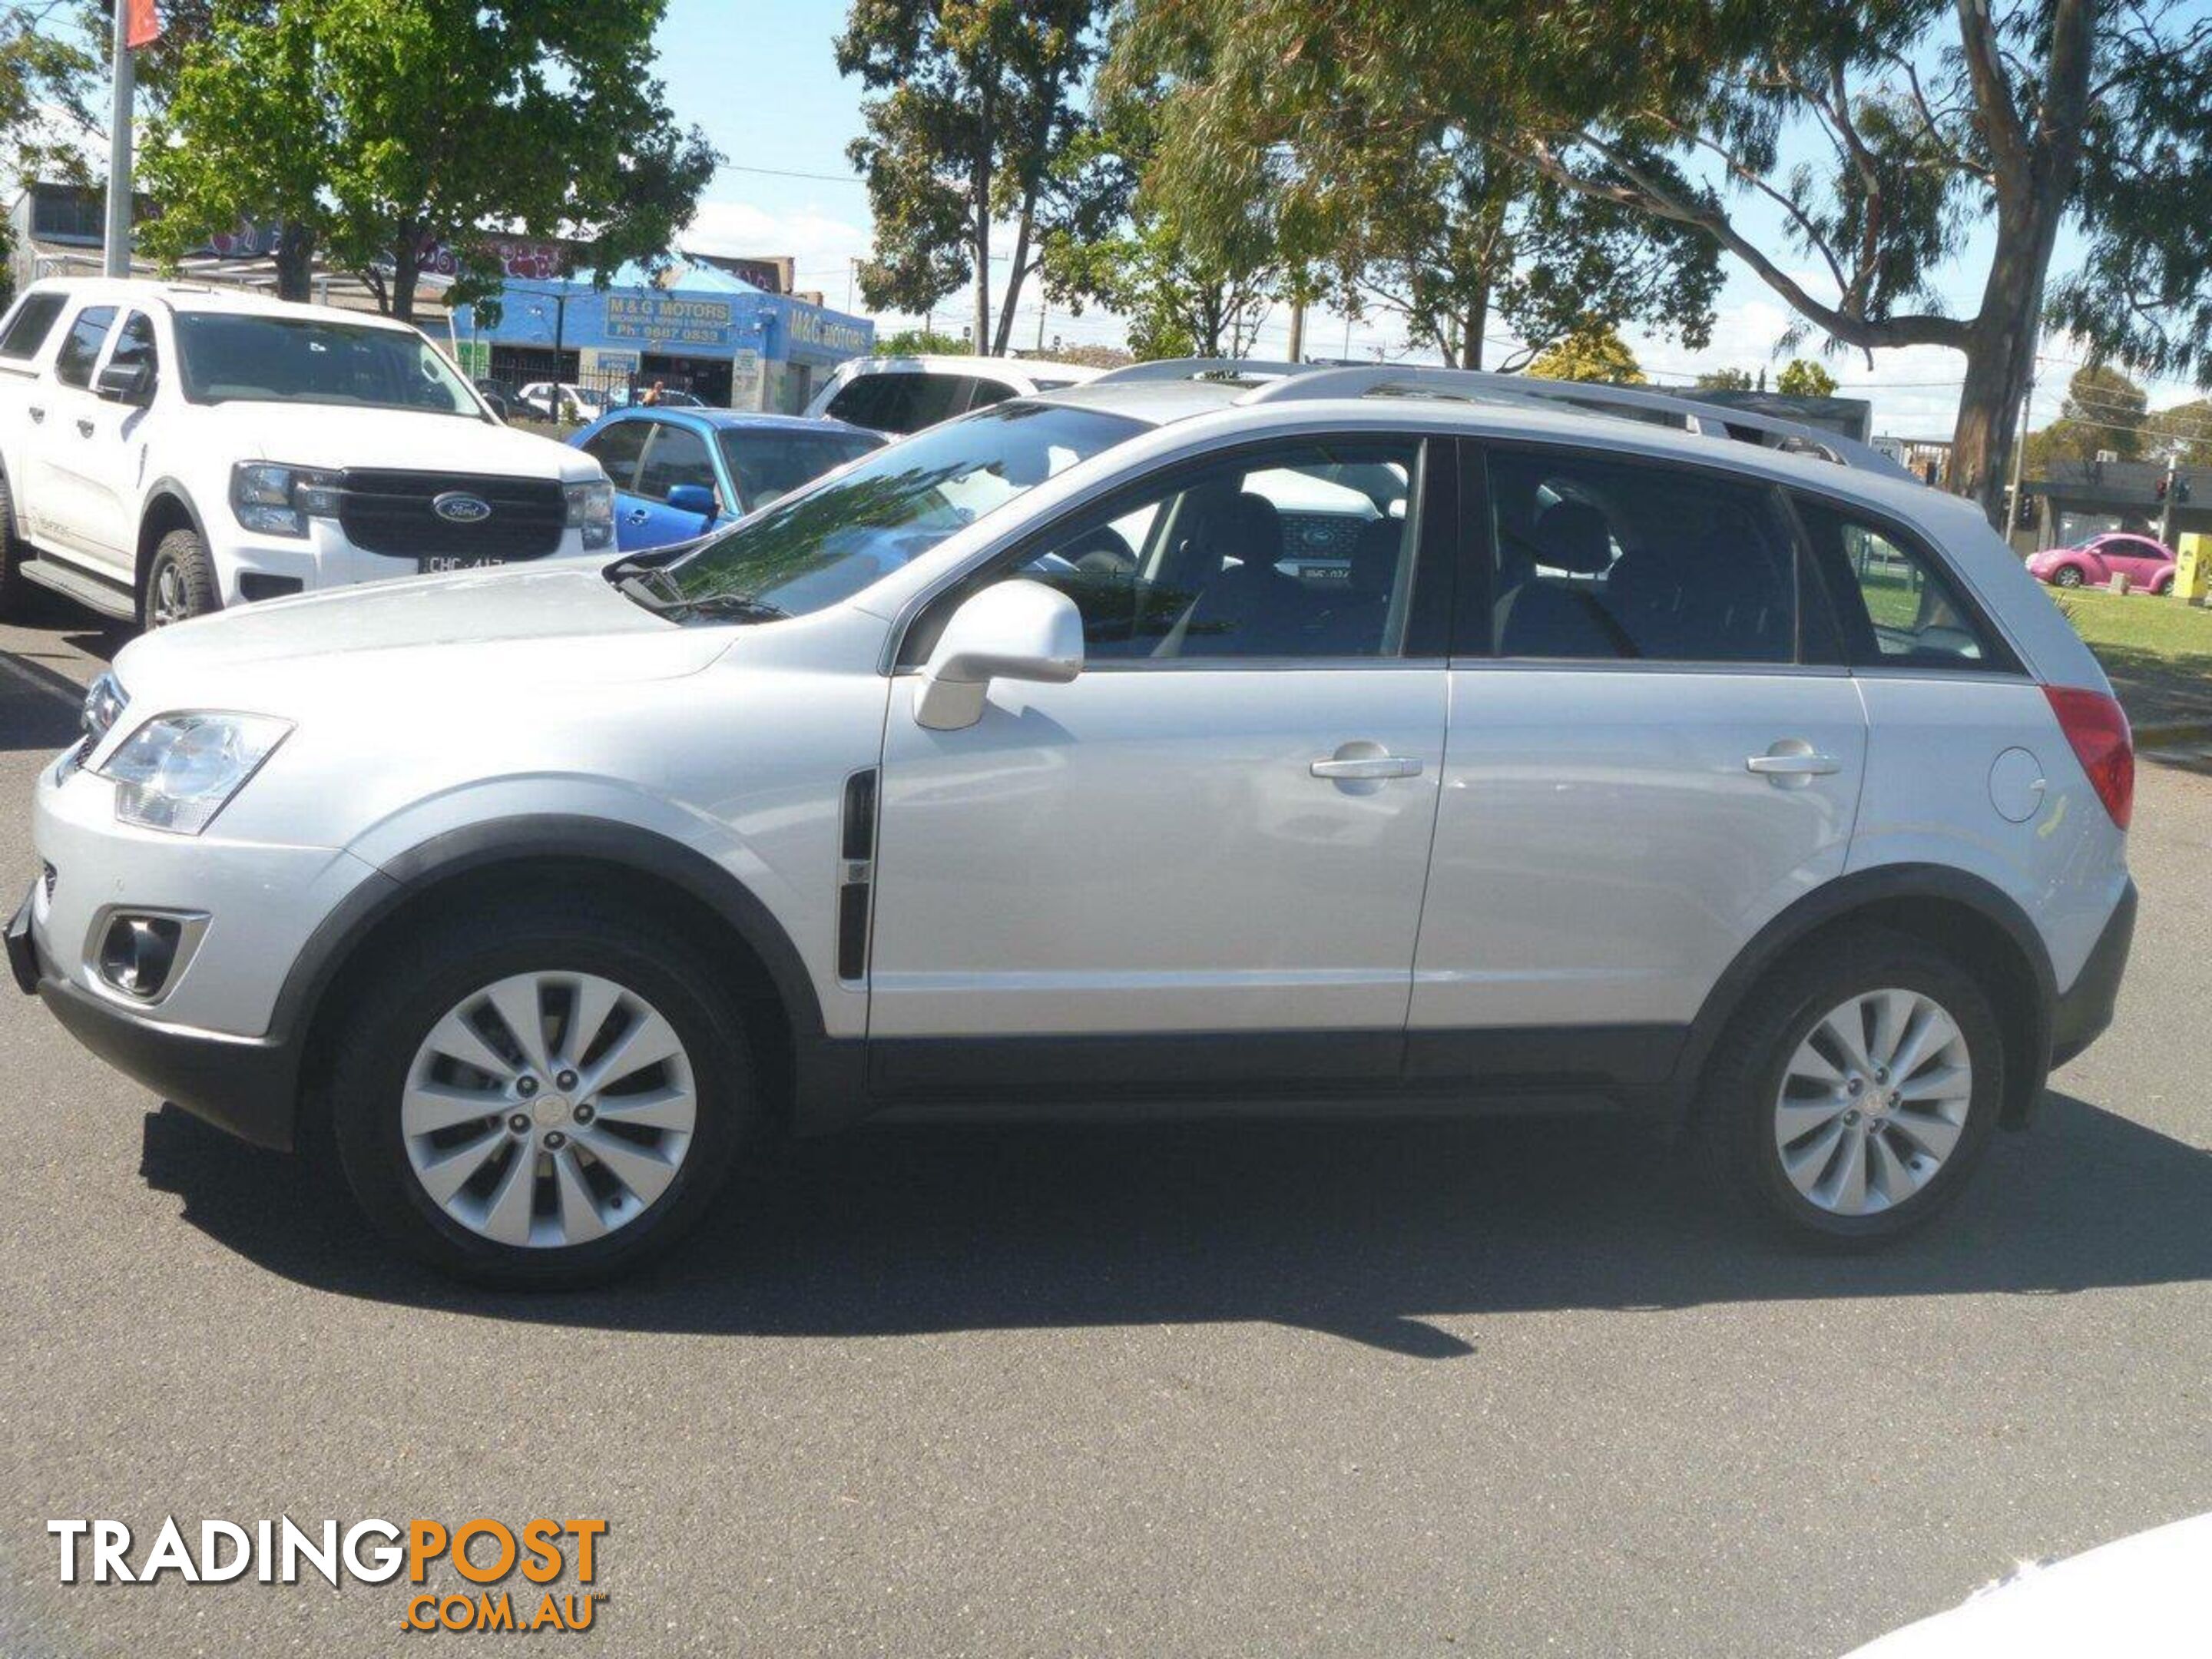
680	472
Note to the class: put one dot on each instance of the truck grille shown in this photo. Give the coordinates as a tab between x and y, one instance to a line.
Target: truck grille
390	512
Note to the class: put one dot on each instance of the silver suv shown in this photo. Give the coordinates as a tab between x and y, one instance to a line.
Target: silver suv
1746	787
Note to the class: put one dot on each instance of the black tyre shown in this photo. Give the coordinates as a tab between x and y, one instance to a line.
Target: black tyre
2066	575
548	1158
180	582
1855	1089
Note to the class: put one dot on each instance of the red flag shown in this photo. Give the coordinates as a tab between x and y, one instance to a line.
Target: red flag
144	27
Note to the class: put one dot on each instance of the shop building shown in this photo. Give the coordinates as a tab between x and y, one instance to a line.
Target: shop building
698	328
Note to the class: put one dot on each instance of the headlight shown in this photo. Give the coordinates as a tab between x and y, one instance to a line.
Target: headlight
277	500
591	509
177	771
103	703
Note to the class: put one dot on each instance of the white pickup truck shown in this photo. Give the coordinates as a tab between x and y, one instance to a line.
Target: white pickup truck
167	450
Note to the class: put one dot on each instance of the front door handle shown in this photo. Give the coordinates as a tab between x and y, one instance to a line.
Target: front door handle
640	515
37	414
1793	763
84	429
1366	768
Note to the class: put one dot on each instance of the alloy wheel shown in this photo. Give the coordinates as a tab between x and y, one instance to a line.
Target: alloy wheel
172	603
1873	1101
549	1109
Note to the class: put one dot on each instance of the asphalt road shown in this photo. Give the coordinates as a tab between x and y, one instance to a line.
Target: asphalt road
1296	1389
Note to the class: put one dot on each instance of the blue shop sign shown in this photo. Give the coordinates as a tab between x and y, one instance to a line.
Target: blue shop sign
670	319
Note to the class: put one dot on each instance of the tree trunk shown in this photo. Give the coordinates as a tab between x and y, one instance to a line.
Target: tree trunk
406	266
1475	325
2000	361
296	263
1014	277
982	336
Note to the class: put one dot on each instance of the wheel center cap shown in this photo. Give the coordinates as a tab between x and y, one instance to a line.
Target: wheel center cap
549	1111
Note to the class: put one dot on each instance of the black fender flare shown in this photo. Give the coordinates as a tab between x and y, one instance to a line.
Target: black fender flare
538	836
1850	895
166	488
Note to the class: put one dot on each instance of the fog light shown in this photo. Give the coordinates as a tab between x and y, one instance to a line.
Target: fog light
138	953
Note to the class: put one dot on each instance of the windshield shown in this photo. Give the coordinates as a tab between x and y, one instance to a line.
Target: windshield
768	466
886	510
229	357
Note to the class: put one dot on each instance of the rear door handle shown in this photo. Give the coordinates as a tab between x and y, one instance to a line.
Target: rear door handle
1365	766
1793	763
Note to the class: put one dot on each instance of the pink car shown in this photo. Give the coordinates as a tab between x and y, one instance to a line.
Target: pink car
2144	562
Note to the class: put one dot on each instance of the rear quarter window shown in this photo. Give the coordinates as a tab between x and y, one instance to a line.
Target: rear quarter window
1895	604
28	325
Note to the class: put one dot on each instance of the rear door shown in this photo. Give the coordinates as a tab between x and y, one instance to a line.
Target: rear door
1653	750
62	496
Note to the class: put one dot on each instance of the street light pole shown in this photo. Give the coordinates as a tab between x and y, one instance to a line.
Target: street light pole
2019	455
116	254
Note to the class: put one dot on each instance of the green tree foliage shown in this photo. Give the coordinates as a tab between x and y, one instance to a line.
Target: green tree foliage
1180	298
1725	380
921	343
1932	122
1802	377
2184	432
2104	410
968	102
375	128
1592	354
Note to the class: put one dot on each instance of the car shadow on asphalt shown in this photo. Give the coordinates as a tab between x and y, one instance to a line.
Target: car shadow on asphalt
1368	1232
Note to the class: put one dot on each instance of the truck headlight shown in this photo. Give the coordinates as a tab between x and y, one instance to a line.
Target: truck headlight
177	771
592	510
277	500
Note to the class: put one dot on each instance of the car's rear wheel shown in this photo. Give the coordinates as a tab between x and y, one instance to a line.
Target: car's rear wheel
2067	575
1855	1093
540	1094
180	582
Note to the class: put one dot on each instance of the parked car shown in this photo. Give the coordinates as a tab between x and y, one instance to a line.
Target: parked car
1004	769
904	394
167	450
677	473
563	403
502	398
2146	563
624	397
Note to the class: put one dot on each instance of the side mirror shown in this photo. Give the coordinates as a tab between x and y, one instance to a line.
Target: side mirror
692	498
125	383
1012	630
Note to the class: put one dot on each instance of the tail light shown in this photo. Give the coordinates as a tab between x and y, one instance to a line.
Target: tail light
2095	725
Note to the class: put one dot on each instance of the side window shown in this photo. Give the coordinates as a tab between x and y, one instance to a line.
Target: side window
135	343
934	398
676	455
81	350
27	329
1895	605
617	449
1607	559
883	402
1200	568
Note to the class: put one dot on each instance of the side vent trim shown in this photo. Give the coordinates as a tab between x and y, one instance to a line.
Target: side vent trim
856	869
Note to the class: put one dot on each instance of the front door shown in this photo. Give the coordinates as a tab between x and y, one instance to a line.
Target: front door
1204	856
1646	765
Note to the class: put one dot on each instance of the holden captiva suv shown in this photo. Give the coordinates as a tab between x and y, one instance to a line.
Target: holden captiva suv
1745	788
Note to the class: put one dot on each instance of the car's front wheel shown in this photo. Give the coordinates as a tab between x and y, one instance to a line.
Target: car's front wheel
540	1094
180	582
2067	575
1855	1090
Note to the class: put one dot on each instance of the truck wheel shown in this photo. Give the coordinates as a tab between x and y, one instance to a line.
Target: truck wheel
540	1093
180	582
14	599
1854	1093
